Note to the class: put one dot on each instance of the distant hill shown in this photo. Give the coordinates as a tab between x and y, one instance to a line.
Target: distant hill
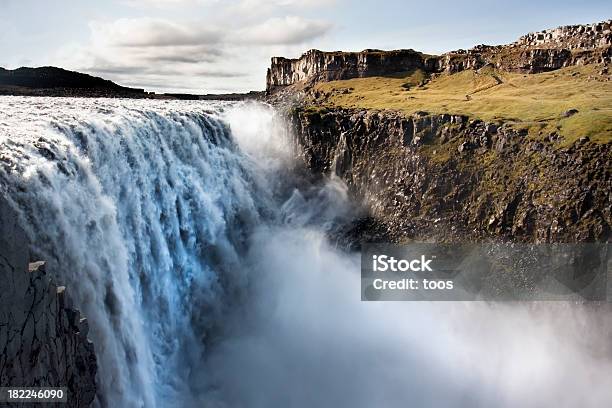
53	81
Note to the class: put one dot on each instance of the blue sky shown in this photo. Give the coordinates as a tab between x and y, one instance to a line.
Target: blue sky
225	45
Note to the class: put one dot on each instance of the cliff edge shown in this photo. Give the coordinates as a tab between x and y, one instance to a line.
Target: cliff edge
43	340
451	178
535	52
508	142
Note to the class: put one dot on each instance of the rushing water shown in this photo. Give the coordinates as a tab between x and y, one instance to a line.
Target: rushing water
202	263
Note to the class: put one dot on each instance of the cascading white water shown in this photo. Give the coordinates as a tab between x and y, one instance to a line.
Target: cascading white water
141	209
203	267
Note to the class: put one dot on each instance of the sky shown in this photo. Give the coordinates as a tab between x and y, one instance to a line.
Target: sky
220	46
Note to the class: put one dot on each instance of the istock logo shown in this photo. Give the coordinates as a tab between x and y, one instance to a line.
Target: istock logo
495	271
383	263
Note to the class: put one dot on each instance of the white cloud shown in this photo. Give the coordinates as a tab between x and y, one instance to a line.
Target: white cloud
253	5
188	56
252	10
245	8
165	3
152	32
288	30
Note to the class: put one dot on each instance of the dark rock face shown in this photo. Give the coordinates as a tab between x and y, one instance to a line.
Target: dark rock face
537	52
444	177
43	340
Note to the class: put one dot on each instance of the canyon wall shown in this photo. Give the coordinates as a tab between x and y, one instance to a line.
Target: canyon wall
446	177
533	53
43	339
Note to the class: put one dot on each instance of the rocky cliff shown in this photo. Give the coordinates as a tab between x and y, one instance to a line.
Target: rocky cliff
539	52
585	36
315	66
43	339
536	52
447	177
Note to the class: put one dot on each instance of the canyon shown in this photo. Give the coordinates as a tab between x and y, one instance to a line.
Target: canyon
442	148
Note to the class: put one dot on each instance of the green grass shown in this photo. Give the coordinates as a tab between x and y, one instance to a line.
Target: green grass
532	101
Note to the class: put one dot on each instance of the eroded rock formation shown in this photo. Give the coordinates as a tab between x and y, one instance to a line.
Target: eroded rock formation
42	338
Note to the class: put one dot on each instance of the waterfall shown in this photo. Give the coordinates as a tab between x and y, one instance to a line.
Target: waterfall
142	212
202	263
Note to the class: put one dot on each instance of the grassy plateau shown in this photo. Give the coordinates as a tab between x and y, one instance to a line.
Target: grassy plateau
536	102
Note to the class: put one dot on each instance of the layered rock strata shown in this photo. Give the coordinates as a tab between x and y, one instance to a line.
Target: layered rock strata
537	52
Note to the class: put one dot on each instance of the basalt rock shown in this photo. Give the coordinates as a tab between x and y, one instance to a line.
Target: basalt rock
315	66
43	339
585	36
536	52
445	177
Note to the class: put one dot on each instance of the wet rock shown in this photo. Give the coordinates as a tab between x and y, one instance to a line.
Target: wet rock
43	345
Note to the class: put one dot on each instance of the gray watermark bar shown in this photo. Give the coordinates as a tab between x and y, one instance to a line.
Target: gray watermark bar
490	272
24	395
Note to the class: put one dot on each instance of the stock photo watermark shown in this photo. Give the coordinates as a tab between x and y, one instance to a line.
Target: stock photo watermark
490	272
